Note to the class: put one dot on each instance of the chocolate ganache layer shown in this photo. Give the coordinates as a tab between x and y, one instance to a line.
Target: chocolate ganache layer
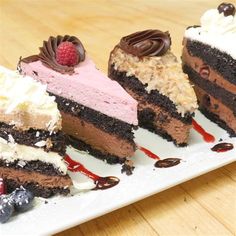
101	121
53	141
34	187
40	184
47	53
97	138
109	158
146	43
221	62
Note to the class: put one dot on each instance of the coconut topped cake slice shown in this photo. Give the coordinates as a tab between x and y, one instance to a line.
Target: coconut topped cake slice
144	65
97	113
32	146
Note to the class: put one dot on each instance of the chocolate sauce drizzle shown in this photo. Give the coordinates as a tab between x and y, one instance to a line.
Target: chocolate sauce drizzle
160	163
106	182
168	162
47	53
146	43
222	147
101	182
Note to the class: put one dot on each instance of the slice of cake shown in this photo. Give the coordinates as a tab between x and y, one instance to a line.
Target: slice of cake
97	113
144	65
32	146
209	59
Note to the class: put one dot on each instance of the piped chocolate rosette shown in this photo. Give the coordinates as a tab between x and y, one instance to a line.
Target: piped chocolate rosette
60	53
146	43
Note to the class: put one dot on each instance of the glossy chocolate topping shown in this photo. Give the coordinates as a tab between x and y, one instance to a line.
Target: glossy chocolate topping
227	8
146	43
47	53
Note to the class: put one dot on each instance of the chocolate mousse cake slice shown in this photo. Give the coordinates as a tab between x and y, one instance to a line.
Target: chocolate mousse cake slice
209	59
98	115
144	65
32	145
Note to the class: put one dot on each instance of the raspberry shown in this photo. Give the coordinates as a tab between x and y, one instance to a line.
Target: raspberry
66	54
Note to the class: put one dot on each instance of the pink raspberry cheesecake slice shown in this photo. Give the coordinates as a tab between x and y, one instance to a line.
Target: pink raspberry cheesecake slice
98	115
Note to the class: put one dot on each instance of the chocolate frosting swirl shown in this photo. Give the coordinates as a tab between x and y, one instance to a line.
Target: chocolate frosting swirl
47	53
146	43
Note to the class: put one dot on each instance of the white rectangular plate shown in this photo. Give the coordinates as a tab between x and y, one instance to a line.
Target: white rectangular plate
61	213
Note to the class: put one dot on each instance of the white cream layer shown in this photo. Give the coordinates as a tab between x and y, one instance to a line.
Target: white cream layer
24	94
217	31
10	152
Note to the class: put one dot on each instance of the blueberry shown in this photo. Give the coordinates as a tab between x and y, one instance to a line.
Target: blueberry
22	199
6	208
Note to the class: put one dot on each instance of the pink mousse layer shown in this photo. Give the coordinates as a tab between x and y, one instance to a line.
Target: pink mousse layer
89	87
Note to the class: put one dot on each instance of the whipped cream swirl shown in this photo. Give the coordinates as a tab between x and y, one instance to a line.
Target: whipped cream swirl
216	30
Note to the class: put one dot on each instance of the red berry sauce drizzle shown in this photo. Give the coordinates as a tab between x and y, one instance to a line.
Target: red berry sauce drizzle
2	187
101	182
222	147
165	163
206	136
148	153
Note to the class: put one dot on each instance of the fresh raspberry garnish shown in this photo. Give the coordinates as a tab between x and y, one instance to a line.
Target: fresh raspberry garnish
66	54
2	187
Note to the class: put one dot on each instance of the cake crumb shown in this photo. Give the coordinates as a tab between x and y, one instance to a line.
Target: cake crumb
127	167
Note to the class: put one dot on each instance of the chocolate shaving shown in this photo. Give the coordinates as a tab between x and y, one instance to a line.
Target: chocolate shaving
127	167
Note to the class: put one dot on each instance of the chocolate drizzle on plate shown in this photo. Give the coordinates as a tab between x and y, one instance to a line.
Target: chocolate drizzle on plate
47	53
222	147
101	182
146	43
160	163
168	162
106	182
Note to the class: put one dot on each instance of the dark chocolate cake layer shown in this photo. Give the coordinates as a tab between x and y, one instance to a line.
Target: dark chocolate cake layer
35	188
146	119
54	141
78	144
213	117
154	97
227	98
40	184
221	62
101	121
38	166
